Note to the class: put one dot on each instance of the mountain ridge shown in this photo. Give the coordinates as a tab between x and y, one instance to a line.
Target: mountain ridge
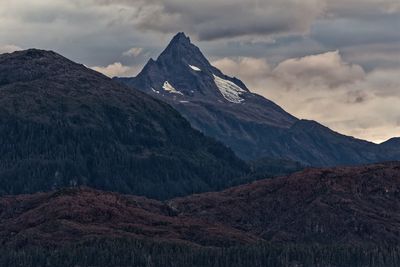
342	206
63	124
253	126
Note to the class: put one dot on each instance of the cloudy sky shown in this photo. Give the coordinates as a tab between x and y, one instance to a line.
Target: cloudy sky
334	61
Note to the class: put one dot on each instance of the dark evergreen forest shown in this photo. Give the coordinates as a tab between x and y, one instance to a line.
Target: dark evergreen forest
137	253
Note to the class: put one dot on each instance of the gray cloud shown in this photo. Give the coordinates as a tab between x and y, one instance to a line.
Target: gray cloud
362	8
210	20
326	69
73	28
133	52
9	48
117	70
257	28
353	31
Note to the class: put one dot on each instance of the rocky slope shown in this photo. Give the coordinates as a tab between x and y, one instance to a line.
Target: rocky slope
254	127
62	124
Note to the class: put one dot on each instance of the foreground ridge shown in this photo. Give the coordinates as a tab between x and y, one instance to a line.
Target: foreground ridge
339	217
337	206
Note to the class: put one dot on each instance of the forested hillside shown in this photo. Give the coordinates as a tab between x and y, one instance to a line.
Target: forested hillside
137	253
62	124
339	217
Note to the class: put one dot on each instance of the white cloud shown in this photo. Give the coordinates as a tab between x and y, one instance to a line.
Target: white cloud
326	69
117	70
251	68
9	48
133	52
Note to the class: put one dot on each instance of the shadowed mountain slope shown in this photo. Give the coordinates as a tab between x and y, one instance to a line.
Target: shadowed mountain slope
62	124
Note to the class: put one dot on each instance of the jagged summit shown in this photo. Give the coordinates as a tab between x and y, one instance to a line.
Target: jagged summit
180	38
180	43
181	52
183	73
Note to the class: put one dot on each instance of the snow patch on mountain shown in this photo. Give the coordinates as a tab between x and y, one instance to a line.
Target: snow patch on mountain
194	68
169	88
229	90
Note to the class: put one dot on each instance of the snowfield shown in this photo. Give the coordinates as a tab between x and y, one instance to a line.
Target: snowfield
169	88
229	90
194	68
155	91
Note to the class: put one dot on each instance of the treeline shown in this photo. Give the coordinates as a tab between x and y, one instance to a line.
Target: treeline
155	163
124	252
42	157
267	168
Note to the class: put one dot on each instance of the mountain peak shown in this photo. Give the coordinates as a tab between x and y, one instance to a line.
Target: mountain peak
182	70
181	42
33	64
181	49
395	141
33	57
30	54
180	38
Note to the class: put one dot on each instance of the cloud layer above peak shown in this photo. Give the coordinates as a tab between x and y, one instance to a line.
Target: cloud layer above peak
209	20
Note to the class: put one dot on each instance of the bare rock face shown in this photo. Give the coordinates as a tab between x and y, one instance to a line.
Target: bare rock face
62	124
254	127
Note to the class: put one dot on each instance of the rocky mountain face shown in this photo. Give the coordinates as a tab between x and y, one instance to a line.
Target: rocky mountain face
353	206
62	124
254	127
